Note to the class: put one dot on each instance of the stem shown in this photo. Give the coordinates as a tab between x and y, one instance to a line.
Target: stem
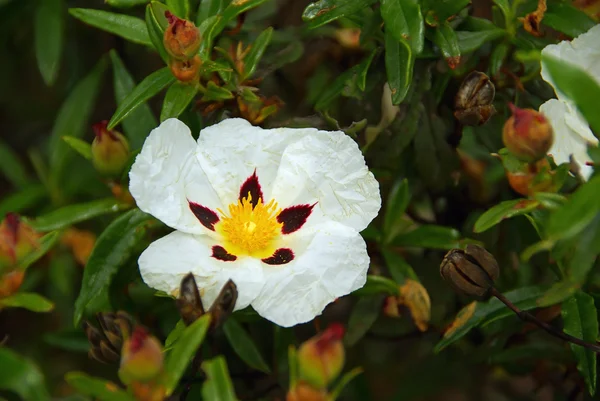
528	317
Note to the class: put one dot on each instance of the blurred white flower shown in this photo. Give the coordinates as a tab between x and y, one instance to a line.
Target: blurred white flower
571	131
277	211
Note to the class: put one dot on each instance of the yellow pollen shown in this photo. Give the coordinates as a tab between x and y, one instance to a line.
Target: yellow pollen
250	231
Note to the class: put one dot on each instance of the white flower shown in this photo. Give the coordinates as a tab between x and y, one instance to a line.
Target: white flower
571	131
277	211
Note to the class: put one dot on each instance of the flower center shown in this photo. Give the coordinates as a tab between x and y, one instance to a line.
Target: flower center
250	229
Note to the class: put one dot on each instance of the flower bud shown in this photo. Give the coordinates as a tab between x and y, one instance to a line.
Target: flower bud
536	177
148	391
304	392
527	134
141	357
11	282
17	240
321	358
187	70
473	102
110	150
182	38
471	271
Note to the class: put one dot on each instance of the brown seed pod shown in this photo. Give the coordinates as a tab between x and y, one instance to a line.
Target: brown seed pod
473	101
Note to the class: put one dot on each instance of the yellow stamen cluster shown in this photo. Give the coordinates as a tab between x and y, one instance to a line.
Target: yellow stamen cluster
250	231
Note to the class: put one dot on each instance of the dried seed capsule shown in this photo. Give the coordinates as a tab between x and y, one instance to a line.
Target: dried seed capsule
471	271
473	102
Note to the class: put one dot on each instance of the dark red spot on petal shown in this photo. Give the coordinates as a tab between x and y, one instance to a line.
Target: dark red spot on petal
221	253
293	218
280	257
207	217
252	186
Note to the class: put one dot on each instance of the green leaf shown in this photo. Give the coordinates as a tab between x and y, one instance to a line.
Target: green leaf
180	8
323	11
216	93
72	121
581	320
557	293
183	351
97	388
404	20
46	243
486	312
178	97
76	213
471	41
504	210
378	285
218	385
130	28
497	58
256	52
444	9
11	167
146	89
21	376
586	251
174	334
446	39
125	3
73	340
343	382
27	300
209	29
156	24
80	146
429	236
577	85
397	203
22	200
244	346
398	267
113	249
579	211
207	9
504	6
364	314
567	19
399	64
235	8
49	38
138	124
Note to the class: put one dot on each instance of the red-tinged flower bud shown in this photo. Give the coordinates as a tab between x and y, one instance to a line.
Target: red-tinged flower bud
536	177
320	359
527	134
148	391
187	70
110	150
17	240
304	392
11	282
182	38
141	357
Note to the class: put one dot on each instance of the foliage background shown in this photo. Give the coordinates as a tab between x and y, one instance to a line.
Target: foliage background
432	195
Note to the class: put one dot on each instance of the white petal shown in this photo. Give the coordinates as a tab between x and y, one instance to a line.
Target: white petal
332	262
583	51
571	134
165	175
166	261
328	168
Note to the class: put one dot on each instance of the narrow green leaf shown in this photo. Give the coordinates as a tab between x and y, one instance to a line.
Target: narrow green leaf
398	267
364	314
244	346
323	11
577	85
235	8
97	388
113	249
497	58
504	210
73	340
256	52
146	89
27	300
343	382
178	97
557	293
445	9
46	243
429	236
180	8
378	285
183	351
209	8
80	146
209	29
174	334
470	41
216	93
24	199
445	38
218	386
21	376
397	203
130	28
404	20
581	320
49	38
566	18
138	124
71	121
399	64
125	3
156	25
504	6
586	252
11	167
76	213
